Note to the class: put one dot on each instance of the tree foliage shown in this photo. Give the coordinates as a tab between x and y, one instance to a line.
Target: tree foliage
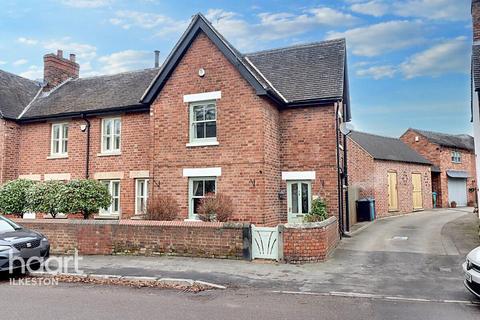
14	197
86	197
48	197
318	212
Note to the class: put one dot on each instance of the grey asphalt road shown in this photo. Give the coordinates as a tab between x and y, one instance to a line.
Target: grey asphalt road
96	302
400	268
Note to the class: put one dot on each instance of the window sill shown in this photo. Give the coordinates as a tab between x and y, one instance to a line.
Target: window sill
109	154
192	220
57	156
202	144
109	216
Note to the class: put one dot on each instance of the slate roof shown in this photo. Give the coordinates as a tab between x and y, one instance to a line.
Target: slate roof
386	148
461	141
304	72
476	65
15	94
93	94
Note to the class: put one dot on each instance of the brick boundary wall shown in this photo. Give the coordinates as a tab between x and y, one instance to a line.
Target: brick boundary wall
310	242
91	237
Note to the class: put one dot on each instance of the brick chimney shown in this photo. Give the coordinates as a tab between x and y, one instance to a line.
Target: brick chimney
57	69
476	20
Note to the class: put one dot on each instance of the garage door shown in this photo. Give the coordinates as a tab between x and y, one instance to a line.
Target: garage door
457	191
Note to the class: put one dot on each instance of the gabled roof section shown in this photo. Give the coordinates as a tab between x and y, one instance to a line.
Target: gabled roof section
92	95
200	24
307	74
461	141
386	148
304	72
15	94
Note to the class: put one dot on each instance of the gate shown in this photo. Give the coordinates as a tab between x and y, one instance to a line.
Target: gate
265	242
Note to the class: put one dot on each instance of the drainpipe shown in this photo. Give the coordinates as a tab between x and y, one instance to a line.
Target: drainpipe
339	178
87	156
345	177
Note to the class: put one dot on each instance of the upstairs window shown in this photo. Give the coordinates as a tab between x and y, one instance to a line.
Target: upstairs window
203	122
59	143
456	157
111	132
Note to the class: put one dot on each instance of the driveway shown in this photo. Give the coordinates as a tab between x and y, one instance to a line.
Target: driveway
417	256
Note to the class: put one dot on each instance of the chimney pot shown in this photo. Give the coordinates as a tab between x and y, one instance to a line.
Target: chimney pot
157	58
72	57
60	53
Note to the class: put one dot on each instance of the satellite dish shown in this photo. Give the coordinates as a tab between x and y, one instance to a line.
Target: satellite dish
346	128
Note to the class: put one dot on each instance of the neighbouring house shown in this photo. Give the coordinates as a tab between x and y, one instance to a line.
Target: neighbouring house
388	170
261	128
453	159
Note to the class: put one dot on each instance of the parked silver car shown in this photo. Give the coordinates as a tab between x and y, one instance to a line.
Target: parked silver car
20	247
471	268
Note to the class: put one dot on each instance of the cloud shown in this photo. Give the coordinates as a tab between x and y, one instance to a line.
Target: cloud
451	56
125	61
381	38
33	72
83	51
377	72
2	62
163	25
27	41
86	3
374	8
20	62
450	10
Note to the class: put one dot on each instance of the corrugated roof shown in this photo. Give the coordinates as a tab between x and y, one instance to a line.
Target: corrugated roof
386	148
93	94
461	141
304	72
15	94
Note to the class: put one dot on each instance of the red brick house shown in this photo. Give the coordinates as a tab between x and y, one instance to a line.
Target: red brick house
453	159
260	127
386	169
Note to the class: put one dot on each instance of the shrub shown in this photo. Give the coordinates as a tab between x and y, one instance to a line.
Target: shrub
14	195
318	212
215	207
164	208
85	196
48	197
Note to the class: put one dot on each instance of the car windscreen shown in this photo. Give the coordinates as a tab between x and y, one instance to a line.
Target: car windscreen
7	225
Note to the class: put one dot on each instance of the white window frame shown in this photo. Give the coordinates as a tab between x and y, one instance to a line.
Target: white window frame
138	197
191	197
298	217
192	122
62	140
112	136
109	211
456	157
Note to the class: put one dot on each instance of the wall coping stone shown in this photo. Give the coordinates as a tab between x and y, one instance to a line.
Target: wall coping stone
311	225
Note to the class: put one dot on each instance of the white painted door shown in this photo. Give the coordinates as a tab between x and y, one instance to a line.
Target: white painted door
457	191
299	195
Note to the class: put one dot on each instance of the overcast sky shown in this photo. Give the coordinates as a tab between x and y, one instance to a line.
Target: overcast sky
408	60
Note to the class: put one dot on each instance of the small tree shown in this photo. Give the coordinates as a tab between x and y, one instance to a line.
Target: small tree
85	196
164	208
318	212
48	197
215	207
13	197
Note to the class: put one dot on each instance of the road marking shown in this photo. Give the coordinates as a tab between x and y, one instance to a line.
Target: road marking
373	296
400	238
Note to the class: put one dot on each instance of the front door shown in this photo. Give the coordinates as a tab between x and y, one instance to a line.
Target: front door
299	200
417	191
392	191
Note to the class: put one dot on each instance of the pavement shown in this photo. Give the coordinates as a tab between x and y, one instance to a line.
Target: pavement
405	267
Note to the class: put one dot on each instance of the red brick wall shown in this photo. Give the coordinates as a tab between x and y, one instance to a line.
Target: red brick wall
310	242
9	144
404	186
142	237
441	157
360	169
256	140
34	153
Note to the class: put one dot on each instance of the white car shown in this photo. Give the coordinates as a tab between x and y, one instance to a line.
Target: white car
471	268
